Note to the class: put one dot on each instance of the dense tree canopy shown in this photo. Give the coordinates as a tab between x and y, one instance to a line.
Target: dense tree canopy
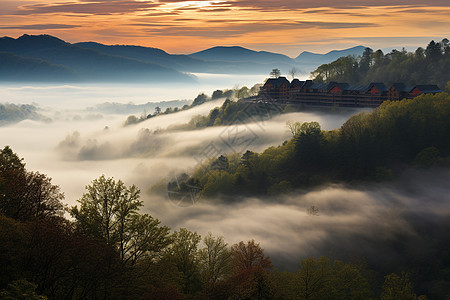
11	113
215	260
200	121
109	211
368	146
248	256
112	251
424	66
26	195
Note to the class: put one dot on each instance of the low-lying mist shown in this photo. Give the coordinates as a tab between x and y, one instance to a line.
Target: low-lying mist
80	145
384	223
83	95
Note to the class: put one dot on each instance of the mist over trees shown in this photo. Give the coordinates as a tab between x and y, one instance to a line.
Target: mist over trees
424	66
110	250
218	116
372	146
12	113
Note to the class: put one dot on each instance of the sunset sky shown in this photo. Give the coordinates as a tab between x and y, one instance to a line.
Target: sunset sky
283	26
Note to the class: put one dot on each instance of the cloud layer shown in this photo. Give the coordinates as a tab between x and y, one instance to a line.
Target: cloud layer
185	26
351	221
380	222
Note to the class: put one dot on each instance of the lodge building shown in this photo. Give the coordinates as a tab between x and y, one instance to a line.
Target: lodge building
339	94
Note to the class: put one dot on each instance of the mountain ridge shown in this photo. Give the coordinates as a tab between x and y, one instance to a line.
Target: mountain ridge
229	53
89	64
94	61
333	54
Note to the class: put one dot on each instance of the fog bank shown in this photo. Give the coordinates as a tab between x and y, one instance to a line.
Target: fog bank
383	222
80	145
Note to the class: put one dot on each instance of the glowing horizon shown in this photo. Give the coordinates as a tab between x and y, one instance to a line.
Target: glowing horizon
182	27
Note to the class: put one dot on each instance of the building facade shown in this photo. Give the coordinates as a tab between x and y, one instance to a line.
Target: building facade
339	94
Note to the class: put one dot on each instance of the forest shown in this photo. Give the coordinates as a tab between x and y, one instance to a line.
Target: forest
13	113
109	246
109	249
375	146
424	66
201	121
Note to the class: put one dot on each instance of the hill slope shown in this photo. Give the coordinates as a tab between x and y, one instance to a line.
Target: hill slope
87	63
310	61
18	68
217	60
236	53
309	57
91	61
146	54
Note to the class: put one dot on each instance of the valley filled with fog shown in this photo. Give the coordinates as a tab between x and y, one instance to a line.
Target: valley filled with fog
78	141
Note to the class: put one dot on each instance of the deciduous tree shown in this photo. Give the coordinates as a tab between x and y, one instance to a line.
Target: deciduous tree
106	209
397	287
215	260
275	73
183	253
292	72
247	256
26	195
110	211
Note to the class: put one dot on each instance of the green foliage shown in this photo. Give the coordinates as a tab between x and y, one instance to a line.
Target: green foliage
344	69
10	160
429	66
11	113
217	94
294	127
368	146
224	115
110	211
133	256
309	144
313	279
217	116
145	237
322	279
106	209
214	260
132	120
242	93
26	195
397	287
428	157
200	99
183	253
21	290
275	73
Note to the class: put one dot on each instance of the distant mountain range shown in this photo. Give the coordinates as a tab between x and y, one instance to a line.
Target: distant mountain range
48	58
83	64
240	54
310	58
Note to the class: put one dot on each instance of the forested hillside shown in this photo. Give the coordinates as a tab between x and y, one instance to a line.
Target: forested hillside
17	68
11	113
111	250
425	66
369	146
44	57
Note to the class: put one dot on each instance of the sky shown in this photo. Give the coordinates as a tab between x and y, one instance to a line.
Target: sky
283	26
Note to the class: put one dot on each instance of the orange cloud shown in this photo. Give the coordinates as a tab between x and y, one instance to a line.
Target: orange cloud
288	26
